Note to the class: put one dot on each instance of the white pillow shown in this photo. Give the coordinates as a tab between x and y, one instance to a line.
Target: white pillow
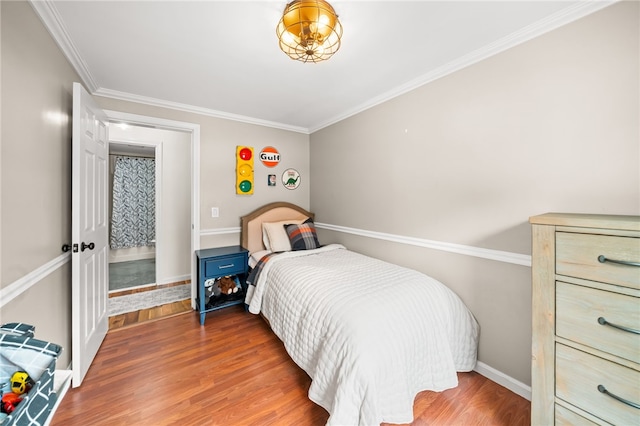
265	238
275	237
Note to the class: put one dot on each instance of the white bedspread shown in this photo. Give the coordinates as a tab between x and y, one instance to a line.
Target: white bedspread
370	334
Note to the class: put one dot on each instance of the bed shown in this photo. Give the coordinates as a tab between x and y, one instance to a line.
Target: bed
370	334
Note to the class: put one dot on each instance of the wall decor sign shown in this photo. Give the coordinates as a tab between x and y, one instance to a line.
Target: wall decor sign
269	156
244	170
291	179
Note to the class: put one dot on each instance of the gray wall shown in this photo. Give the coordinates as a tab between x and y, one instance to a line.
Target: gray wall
36	83
549	125
36	89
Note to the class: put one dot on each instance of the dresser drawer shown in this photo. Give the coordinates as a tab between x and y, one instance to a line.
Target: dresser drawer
578	376
577	256
225	266
578	309
566	417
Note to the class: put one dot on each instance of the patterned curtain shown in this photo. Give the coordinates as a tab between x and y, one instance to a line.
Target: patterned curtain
133	218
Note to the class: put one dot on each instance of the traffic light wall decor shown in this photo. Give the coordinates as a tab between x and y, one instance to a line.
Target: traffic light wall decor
244	170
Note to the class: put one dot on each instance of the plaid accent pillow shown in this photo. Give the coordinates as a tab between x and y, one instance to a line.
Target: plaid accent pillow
303	236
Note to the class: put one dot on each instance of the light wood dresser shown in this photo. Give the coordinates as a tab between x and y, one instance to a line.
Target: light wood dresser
586	320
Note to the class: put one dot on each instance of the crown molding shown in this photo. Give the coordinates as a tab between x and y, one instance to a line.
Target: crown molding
50	17
52	21
527	33
124	96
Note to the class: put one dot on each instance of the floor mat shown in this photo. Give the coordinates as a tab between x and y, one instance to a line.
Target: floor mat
148	299
133	273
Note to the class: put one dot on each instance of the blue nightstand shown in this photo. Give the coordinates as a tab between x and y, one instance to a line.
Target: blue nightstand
219	262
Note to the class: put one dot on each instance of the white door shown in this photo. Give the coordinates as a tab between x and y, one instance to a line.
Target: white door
90	272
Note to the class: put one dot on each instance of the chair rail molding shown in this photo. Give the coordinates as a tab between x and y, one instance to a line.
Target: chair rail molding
220	231
498	255
16	288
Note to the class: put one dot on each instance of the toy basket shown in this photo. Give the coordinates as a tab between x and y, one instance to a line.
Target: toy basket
19	350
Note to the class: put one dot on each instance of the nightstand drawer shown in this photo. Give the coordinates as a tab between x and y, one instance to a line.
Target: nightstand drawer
225	266
578	376
578	309
577	256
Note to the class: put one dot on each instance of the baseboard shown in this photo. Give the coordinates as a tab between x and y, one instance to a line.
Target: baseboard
131	257
502	379
176	279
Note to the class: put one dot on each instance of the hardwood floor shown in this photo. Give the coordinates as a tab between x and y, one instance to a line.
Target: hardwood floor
133	318
159	312
234	371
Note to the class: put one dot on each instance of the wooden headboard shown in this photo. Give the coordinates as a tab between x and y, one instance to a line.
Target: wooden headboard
274	212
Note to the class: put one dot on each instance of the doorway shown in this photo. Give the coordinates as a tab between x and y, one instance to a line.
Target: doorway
193	132
177	221
135	179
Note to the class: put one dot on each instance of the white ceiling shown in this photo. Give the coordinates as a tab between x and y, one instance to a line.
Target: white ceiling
221	58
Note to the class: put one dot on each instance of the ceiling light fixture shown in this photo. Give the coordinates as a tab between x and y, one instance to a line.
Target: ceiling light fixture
309	30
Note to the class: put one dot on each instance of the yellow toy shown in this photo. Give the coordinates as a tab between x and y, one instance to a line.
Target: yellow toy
21	382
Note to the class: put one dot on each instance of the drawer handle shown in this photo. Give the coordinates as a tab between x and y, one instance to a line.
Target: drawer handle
226	266
602	259
603	321
604	390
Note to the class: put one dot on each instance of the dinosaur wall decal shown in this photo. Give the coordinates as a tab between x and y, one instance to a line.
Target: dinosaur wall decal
292	181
